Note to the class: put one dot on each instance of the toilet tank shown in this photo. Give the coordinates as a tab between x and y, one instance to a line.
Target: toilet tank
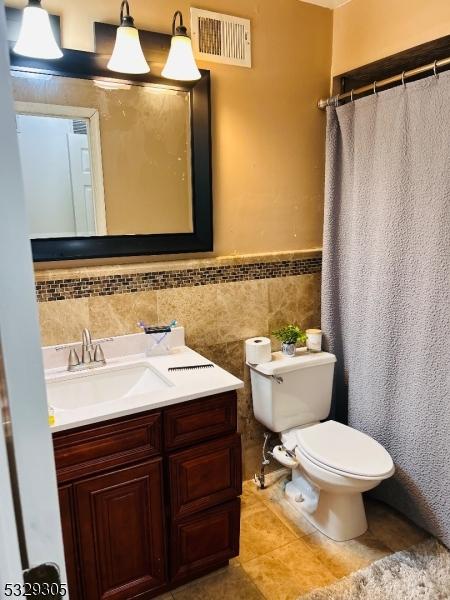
290	392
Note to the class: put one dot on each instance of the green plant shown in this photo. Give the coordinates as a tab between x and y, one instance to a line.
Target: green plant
290	334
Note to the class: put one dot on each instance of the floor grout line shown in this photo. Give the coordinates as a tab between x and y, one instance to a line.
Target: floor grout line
289	527
270	551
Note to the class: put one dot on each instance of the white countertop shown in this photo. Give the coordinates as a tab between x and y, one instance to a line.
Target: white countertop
181	387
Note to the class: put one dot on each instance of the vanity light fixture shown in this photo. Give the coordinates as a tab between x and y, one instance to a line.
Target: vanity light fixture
36	38
127	56
180	63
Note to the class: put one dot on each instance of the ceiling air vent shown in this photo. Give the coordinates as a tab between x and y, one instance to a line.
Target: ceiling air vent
221	38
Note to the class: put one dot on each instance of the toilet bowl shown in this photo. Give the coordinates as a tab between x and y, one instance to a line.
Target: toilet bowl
341	463
332	464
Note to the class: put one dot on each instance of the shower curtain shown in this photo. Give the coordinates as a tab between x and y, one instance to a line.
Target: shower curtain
386	285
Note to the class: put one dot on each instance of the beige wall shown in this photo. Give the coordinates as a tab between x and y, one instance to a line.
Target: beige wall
367	30
268	136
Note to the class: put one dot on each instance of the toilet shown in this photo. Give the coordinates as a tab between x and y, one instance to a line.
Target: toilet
332	464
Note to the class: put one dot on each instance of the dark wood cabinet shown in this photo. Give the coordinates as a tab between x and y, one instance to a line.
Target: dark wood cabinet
205	475
122	532
199	420
97	447
203	540
150	501
69	537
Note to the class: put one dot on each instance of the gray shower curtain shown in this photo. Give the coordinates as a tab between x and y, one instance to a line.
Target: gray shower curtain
386	285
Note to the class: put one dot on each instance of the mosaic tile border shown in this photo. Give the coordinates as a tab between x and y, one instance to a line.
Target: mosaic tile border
85	287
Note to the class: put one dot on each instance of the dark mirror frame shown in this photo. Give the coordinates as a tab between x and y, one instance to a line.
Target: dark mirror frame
89	65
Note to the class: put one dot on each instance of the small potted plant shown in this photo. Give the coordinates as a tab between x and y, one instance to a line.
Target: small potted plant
289	335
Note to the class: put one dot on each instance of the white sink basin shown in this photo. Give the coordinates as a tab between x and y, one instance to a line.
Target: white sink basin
76	390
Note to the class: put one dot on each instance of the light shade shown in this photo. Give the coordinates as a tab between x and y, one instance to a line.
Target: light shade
180	63
36	37
127	56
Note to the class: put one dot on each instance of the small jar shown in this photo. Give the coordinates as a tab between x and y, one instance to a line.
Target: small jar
314	340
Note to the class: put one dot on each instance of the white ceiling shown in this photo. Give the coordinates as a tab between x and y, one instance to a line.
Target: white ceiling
327	3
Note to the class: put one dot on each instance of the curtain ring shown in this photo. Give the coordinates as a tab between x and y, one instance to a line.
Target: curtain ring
375	88
351	96
336	100
436	74
403	79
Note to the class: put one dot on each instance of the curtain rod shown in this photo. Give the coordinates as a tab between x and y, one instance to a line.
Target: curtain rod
374	87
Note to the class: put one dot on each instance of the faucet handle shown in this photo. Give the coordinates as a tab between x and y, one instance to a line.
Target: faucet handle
74	360
98	355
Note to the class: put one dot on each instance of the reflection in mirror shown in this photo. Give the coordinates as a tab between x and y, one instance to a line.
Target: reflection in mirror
62	198
103	158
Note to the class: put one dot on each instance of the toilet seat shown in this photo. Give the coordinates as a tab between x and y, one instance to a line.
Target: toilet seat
343	450
301	456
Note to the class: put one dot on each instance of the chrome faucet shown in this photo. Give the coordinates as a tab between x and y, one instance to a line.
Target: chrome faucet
87	349
91	355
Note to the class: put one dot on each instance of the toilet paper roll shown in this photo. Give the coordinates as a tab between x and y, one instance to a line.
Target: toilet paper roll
258	350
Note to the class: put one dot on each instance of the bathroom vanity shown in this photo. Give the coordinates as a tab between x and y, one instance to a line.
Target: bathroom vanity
149	499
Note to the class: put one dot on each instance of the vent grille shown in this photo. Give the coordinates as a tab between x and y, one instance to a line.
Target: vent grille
79	126
221	38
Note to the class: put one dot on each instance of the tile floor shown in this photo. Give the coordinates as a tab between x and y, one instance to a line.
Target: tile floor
282	557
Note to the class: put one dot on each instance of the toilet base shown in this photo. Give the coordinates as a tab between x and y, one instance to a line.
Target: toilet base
340	517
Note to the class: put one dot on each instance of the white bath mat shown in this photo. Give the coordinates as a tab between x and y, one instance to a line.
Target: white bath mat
420	573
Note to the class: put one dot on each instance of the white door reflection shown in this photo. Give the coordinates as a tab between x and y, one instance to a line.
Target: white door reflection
81	175
58	176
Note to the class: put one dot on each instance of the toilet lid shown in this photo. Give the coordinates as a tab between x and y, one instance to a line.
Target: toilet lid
345	449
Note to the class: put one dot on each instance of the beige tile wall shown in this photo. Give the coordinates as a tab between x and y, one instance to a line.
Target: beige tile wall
218	318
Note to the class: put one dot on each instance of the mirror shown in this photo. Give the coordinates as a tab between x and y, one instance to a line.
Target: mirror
114	159
112	167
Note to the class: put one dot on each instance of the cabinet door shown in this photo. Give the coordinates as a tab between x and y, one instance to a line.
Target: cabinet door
205	475
69	537
204	541
121	529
